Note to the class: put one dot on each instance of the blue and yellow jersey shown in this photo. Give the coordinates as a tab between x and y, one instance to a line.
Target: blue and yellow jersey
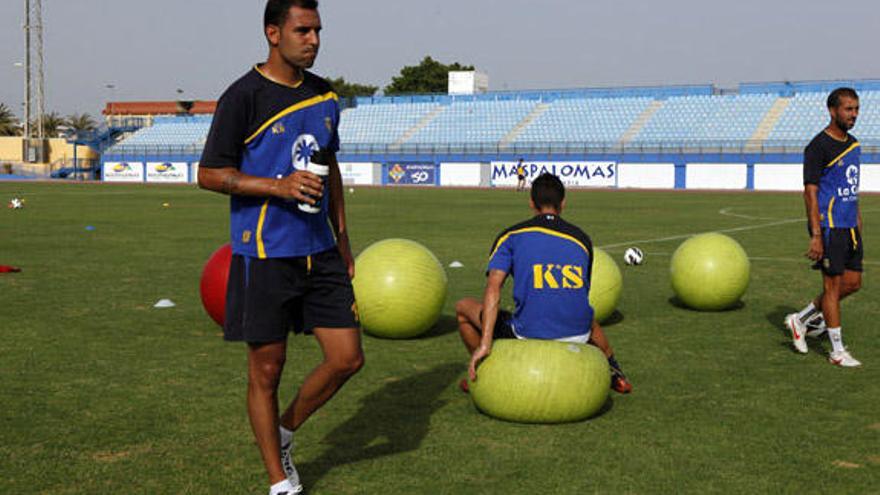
268	129
834	166
550	261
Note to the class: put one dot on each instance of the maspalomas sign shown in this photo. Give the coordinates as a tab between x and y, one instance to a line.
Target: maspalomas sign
573	174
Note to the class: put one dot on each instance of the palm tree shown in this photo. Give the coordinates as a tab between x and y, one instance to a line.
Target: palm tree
51	122
9	125
80	122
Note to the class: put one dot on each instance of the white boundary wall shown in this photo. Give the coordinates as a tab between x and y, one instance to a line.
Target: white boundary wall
869	180
357	173
646	175
716	176
767	176
779	177
460	174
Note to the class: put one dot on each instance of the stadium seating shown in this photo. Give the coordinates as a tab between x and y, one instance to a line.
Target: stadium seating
760	115
382	123
172	133
585	120
804	116
725	120
474	122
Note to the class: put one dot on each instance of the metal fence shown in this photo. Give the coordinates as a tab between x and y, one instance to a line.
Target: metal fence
697	147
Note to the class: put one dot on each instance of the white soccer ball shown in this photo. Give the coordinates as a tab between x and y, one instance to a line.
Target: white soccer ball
633	256
16	203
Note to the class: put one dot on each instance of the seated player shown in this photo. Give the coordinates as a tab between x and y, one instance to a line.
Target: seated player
551	263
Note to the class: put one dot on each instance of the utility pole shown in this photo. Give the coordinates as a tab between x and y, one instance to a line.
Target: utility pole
27	75
34	88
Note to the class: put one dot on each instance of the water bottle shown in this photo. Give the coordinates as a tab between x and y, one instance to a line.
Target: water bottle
318	165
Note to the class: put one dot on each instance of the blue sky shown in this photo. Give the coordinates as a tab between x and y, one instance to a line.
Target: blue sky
147	50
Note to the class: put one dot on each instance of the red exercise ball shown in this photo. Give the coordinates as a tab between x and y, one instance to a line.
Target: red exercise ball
213	285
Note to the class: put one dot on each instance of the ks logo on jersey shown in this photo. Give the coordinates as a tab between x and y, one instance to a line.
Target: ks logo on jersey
557	276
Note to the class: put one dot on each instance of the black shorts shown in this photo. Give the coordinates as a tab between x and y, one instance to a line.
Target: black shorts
267	298
503	327
842	251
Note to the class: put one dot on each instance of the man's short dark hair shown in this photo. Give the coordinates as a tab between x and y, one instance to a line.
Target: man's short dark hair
547	190
834	97
276	10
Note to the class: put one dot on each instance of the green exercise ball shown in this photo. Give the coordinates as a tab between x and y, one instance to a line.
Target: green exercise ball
606	285
541	381
400	288
709	272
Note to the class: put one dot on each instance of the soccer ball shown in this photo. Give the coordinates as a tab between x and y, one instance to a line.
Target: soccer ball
16	203
633	256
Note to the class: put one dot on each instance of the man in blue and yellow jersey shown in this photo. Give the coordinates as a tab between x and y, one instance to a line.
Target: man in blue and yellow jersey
551	263
831	194
272	148
520	176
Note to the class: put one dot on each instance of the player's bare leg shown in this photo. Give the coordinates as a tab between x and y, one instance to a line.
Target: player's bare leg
343	358
265	364
467	311
831	296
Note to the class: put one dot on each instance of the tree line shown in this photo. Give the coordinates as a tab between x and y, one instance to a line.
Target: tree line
53	123
429	76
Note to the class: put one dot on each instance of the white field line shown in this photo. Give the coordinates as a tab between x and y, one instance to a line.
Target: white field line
727	212
755	258
723	211
685	236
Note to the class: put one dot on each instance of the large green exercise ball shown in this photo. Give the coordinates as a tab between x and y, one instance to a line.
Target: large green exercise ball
400	288
541	381
709	272
606	285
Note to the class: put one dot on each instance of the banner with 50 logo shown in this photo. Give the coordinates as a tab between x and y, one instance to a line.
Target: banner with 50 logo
424	174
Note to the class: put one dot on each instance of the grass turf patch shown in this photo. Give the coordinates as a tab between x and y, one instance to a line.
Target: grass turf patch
103	393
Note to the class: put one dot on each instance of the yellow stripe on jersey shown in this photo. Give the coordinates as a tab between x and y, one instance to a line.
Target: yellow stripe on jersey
540	230
315	100
838	157
294	85
830	216
261	248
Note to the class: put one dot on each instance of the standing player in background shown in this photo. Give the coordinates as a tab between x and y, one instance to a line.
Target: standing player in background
520	176
831	194
551	263
289	269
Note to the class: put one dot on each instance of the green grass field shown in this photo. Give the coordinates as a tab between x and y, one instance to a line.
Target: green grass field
102	393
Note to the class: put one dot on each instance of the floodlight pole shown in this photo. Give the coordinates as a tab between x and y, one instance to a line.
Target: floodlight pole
34	91
27	79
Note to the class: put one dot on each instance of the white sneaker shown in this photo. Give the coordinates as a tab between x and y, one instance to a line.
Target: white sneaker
798	332
289	468
844	359
283	487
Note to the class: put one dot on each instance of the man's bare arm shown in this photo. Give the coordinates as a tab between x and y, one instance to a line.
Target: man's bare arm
229	180
811	202
337	213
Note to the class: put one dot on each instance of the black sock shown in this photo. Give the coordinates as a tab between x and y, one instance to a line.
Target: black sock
614	365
